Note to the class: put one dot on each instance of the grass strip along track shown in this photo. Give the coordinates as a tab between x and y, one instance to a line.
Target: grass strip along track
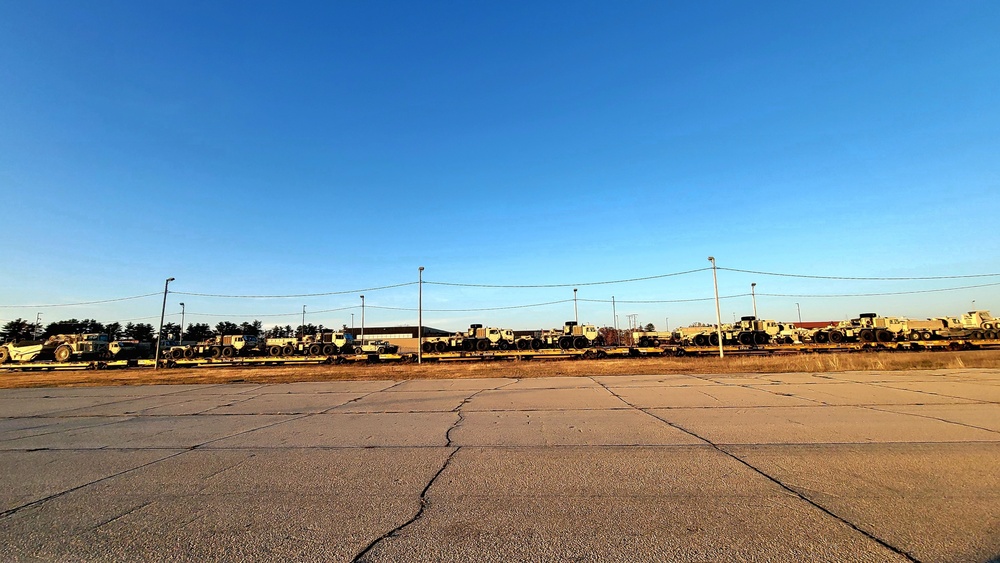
816	363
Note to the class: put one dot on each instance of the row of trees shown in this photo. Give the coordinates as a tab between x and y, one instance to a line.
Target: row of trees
20	329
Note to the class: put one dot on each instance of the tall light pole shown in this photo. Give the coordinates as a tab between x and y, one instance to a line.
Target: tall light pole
303	322
576	316
420	314
797	309
666	323
180	335
352	321
753	296
159	334
38	325
614	318
362	321
718	310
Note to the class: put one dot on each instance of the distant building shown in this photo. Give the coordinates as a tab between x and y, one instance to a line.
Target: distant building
403	336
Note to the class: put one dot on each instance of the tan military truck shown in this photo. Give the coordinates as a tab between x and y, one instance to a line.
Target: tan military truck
321	344
572	335
477	338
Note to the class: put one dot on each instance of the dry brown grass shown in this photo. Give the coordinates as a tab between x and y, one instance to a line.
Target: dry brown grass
887	361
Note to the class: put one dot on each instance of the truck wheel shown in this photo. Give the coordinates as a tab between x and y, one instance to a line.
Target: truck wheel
228	352
836	336
713	339
482	345
745	338
565	343
328	349
215	352
274	350
287	350
760	338
700	340
867	336
580	343
503	345
63	353
440	346
315	349
883	336
4	355
188	353
522	344
175	354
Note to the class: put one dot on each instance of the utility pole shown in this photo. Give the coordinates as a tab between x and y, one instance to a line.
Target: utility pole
753	296
38	325
180	335
362	322
614	319
303	322
799	311
420	314
159	334
718	310
576	316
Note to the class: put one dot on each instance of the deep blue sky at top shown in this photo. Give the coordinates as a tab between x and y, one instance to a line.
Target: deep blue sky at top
303	147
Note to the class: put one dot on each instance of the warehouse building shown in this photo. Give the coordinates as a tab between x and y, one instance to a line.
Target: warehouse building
403	336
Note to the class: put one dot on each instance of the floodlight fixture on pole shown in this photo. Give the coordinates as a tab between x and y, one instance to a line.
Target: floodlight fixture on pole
420	314
576	316
753	296
718	310
180	333
362	321
159	334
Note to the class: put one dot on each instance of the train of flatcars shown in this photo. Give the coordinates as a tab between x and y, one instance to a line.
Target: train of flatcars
974	329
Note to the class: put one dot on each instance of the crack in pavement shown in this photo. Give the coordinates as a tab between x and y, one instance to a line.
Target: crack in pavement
775	480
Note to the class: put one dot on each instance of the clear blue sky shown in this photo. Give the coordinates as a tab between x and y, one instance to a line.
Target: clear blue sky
311	147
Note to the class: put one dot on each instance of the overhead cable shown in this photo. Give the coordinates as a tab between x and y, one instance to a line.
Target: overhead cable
580	284
850	278
83	302
885	293
293	295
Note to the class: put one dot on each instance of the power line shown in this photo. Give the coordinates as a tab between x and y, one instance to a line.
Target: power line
293	295
885	293
668	300
81	303
473	310
850	278
578	284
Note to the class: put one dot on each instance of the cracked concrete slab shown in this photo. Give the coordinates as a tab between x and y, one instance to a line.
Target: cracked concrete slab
350	430
722	396
822	424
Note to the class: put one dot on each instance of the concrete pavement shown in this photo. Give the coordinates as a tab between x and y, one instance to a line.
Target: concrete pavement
859	466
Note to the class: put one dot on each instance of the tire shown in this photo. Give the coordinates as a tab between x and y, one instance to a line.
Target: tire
745	338
468	345
836	336
503	345
4	355
188	353
536	344
565	343
427	347
440	346
883	336
701	340
329	349
821	337
867	335
914	335
315	350
926	335
287	350
274	350
580	343
760	338
482	345
713	339
215	352
523	344
176	353
63	353
228	352
991	335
